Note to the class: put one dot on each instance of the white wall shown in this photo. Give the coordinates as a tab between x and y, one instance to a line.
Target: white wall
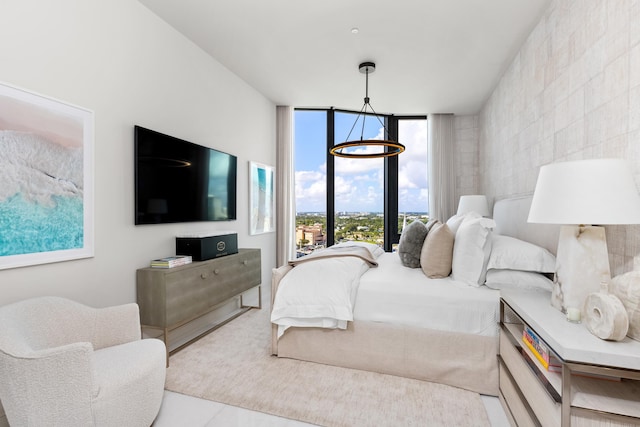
572	92
121	61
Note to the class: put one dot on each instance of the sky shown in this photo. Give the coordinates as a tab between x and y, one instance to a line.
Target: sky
359	182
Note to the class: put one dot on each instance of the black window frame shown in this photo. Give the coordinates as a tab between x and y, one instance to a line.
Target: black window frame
390	171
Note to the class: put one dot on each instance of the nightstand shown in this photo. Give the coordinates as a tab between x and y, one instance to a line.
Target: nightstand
596	382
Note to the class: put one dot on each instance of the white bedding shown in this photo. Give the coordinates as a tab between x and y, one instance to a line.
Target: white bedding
393	293
318	294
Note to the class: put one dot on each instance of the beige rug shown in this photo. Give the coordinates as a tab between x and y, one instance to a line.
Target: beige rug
232	365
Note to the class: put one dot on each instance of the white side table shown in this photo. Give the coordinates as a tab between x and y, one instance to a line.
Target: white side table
598	382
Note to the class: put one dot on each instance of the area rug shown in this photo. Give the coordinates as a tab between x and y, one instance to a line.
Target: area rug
233	365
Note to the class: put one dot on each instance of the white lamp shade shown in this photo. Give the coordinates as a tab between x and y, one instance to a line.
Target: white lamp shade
590	192
473	203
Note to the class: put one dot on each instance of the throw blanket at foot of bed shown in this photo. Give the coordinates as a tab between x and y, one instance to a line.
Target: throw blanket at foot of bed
321	288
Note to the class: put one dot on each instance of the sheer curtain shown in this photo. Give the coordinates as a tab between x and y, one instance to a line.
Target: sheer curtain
442	177
285	195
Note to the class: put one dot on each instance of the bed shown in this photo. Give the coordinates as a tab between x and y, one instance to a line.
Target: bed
404	324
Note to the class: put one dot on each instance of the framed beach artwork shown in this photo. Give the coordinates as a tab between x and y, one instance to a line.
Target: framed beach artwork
46	179
261	198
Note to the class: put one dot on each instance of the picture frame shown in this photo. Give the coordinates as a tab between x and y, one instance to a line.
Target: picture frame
261	198
46	170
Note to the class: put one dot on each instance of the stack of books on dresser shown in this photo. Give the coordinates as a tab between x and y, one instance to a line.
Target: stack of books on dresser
171	261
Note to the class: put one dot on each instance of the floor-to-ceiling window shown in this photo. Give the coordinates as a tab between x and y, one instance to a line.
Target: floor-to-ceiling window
358	184
310	179
413	186
341	199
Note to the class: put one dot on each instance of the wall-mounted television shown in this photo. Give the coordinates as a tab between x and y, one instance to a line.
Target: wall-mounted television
179	181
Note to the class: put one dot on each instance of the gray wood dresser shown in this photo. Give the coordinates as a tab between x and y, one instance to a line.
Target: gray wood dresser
173	297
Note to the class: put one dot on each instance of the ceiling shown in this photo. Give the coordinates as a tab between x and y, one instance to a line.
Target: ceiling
432	56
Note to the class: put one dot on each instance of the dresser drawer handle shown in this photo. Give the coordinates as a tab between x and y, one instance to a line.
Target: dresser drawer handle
245	262
203	276
216	271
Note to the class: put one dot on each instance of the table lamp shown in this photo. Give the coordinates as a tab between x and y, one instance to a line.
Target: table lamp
473	203
582	196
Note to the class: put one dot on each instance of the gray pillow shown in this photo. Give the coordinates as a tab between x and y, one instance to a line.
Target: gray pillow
410	245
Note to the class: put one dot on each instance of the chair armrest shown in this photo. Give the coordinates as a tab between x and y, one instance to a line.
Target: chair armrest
116	325
51	384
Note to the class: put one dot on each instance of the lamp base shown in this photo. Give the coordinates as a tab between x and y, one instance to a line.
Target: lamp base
582	264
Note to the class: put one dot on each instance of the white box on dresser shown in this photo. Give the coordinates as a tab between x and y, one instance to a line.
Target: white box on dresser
533	395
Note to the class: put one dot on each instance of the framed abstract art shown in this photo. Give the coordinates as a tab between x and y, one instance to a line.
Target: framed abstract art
261	198
46	171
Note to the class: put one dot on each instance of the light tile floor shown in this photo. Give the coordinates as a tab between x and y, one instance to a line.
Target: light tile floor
179	410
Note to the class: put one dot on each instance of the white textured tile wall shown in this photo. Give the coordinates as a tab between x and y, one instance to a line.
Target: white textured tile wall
466	137
571	92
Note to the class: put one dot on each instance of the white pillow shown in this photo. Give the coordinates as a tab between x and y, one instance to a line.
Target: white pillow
517	280
454	223
471	250
375	250
515	254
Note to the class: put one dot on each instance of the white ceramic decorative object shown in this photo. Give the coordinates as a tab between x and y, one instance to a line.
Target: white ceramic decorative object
605	315
582	264
627	287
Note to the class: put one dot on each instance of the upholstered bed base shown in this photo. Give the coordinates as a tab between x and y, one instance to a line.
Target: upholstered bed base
460	360
456	359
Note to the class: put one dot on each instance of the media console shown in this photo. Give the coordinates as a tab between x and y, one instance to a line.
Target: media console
173	297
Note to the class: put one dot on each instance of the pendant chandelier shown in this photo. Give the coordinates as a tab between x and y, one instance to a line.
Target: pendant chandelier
387	147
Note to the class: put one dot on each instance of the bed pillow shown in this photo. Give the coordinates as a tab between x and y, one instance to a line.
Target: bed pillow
514	254
437	251
454	223
517	280
471	250
375	250
410	245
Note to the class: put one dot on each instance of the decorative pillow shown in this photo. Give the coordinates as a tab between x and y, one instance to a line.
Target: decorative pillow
410	245
375	250
517	280
431	223
515	254
437	251
471	250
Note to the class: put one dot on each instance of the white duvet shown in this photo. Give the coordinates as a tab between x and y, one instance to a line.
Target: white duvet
318	294
393	293
330	292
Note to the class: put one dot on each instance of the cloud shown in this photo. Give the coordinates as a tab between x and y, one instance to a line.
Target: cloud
311	190
346	166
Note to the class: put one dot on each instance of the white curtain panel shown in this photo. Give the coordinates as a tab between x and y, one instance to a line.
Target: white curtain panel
285	196
442	177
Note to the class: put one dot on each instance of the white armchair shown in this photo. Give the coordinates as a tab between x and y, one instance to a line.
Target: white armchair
65	364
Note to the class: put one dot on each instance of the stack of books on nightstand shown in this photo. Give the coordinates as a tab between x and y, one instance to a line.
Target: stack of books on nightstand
171	261
548	360
539	349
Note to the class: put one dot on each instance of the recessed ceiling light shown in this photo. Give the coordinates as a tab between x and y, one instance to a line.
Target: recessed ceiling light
355	30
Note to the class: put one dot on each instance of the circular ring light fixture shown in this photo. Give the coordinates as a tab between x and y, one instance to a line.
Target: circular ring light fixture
388	147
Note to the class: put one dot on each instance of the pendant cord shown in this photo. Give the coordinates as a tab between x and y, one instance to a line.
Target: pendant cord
366	102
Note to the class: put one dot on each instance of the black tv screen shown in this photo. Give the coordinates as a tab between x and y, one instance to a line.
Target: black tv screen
178	181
